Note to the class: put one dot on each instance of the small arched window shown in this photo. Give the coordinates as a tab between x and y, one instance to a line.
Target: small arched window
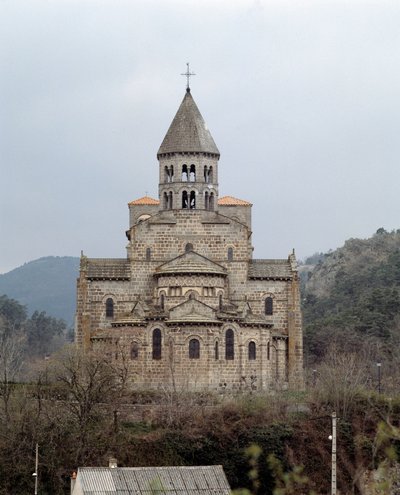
216	351
185	203
171	201
194	349
156	343
192	173
171	173
162	301
220	302
184	173
205	174
134	350
229	344
252	351
268	351
192	200
165	201
230	254
211	202
109	308
188	247
166	174
210	174
269	309
206	200
148	254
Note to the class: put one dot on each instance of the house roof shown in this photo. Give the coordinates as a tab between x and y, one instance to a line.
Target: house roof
146	200
188	132
270	269
231	201
182	480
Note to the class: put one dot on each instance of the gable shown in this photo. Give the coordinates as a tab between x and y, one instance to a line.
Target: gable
191	262
192	310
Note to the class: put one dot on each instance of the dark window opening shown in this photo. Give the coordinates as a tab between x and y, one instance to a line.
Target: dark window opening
206	201
220	302
188	247
134	351
109	308
268	351
252	351
185	203
192	200
171	201
205	174
192	173
165	201
230	254
216	351
211	202
171	173
269	306
210	174
162	302
194	349
166	174
184	173
148	254
157	343
229	344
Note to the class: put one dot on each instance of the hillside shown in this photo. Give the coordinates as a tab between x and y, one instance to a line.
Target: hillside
46	284
352	296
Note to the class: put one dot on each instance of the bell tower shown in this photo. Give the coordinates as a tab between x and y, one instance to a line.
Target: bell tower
188	161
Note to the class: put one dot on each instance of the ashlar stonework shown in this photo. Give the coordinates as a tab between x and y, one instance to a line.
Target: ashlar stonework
189	307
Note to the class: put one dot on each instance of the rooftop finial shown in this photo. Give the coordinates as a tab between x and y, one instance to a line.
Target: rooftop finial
188	74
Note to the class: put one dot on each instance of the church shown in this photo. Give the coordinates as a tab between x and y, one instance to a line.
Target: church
189	308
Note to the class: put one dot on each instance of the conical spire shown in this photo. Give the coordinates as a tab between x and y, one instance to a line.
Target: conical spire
188	131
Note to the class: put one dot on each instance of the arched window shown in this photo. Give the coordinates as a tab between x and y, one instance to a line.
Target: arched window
148	254
205	174
216	351
171	173
134	350
252	351
192	173
229	344
162	301
230	254
211	202
188	247
165	201
109	308
166	174
269	306
210	174
184	173
156	343
171	201
194	349
185	199
206	200
192	200
268	351
220	302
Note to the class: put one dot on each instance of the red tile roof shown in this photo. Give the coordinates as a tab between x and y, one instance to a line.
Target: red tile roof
231	201
146	200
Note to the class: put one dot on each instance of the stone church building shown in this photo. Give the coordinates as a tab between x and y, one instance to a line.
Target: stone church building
189	306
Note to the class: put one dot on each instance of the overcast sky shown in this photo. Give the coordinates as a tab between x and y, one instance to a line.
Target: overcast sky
302	99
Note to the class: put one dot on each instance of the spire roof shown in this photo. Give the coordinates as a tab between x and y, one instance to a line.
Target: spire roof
188	132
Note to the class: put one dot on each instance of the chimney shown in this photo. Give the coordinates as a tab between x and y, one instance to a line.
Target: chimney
73	481
112	462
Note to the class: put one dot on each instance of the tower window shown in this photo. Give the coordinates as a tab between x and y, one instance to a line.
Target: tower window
230	254
220	302
185	203
192	173
205	174
162	301
134	351
165	201
206	200
194	349
269	310
268	351
210	174
184	173
171	201
148	254
192	200
166	174
252	351
211	202
171	173
216	351
109	308
229	345
188	247
156	343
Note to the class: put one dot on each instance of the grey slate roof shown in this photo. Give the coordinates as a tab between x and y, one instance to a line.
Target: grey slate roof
107	269
188	131
182	480
270	269
191	262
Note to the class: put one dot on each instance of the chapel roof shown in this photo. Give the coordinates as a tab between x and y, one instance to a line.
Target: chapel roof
231	201
280	269
191	262
146	200
188	133
107	268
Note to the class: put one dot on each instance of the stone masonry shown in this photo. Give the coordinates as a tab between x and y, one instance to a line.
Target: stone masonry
189	307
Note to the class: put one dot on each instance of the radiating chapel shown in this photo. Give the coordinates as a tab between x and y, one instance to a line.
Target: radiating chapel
189	307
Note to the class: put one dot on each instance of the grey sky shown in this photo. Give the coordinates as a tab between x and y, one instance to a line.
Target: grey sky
301	97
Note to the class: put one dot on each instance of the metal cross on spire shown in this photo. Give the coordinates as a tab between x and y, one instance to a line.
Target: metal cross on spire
188	75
